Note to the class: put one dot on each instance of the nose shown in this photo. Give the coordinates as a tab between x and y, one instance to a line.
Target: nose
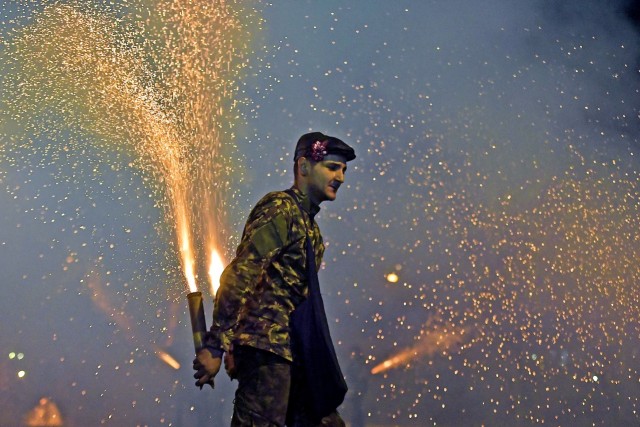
340	176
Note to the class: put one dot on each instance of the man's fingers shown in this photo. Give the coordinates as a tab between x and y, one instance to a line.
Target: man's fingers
202	378
206	379
202	373
206	368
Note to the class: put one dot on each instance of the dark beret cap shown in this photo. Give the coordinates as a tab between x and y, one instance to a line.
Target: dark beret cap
330	145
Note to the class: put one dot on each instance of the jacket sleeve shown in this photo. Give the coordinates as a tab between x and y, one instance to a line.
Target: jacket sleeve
265	234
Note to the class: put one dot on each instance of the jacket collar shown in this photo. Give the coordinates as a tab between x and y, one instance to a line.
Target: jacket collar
310	208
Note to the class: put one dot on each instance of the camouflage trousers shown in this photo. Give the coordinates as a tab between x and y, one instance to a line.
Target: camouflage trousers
266	396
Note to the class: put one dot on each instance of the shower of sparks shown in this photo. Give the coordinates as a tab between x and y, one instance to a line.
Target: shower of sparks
142	88
168	96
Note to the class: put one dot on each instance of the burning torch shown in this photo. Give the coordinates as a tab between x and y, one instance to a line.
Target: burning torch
196	307
198	327
198	323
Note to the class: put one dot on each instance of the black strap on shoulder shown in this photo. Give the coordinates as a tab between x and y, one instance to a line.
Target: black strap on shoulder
315	363
311	255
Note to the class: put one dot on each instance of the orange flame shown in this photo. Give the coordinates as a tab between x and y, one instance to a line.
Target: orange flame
216	266
186	249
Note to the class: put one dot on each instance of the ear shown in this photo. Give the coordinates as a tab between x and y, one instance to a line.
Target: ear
303	165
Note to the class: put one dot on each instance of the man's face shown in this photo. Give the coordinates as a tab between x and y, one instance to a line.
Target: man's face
326	177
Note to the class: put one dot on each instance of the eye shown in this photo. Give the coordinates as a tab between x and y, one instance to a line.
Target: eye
336	167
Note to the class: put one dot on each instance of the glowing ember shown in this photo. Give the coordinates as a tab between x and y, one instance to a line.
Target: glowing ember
392	278
431	342
168	359
45	414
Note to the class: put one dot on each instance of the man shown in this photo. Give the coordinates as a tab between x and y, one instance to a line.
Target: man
265	283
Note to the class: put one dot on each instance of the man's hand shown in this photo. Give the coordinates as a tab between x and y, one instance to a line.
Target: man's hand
207	367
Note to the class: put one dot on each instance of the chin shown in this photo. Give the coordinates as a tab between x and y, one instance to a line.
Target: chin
329	195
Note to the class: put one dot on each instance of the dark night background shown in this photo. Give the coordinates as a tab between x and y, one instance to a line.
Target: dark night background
496	179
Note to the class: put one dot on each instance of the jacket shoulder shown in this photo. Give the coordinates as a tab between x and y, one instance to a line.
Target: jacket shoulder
275	199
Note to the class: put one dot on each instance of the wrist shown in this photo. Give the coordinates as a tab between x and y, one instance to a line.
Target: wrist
216	353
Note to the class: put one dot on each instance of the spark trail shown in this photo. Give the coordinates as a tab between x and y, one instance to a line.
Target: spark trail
163	86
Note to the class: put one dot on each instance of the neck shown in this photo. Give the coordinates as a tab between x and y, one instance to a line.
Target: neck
303	187
308	202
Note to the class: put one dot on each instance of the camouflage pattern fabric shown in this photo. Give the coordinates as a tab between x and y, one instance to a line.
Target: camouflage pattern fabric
266	280
262	396
263	399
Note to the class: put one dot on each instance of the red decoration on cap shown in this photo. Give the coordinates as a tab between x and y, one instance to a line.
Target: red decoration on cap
319	150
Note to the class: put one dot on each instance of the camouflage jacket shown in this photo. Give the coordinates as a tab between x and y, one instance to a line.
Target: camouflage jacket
266	280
